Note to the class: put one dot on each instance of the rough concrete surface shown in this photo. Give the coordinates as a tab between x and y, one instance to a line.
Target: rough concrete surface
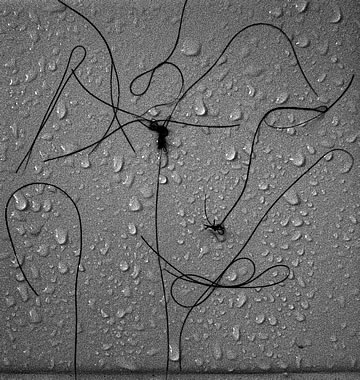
215	233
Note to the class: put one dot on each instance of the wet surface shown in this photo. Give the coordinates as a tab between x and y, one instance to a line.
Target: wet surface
230	246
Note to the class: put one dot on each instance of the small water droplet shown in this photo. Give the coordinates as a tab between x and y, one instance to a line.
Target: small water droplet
61	235
301	5
191	47
174	353
292	197
346	167
35	316
272	320
63	267
217	351
132	229
236	332
260	318
337	16
162	179
61	109
43	250
199	106
230	153
236	115
146	191
118	163
176	177
276	12
124	266
298	159
20	201
282	98
241	299
23	291
134	204
303	42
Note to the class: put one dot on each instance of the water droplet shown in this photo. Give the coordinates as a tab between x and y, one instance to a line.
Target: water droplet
347	167
61	235
303	42
276	12
43	250
191	47
162	179
272	320
124	266
176	177
301	5
47	205
292	197
23	291
134	204
199	106
146	191
236	332
174	353
251	90
260	318
63	267
61	109
85	163
20	201
298	159
35	316
118	163
236	115
241	299
230	153
132	229
337	16
217	351
282	98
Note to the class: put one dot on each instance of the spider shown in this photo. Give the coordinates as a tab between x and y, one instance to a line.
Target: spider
216	227
162	132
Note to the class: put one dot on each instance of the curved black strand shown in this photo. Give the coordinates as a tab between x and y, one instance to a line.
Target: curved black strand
79	257
112	70
52	104
322	110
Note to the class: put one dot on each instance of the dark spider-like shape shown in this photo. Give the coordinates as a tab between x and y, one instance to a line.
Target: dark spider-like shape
161	130
216	227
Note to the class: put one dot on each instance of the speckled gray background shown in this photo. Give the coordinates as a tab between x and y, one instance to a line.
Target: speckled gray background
310	323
